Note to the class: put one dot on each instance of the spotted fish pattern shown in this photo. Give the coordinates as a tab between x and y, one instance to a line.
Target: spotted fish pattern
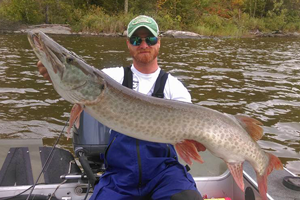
191	128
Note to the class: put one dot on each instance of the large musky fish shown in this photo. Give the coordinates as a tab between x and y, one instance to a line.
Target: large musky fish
191	128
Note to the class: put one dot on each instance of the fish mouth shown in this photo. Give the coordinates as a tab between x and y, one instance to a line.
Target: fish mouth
45	47
34	40
69	74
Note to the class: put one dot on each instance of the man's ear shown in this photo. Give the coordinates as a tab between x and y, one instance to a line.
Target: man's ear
158	42
127	42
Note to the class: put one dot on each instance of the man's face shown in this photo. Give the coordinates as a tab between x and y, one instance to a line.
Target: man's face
143	53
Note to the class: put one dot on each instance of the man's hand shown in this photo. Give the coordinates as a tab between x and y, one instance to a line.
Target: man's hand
43	71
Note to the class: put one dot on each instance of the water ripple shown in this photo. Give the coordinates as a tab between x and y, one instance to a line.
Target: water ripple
256	77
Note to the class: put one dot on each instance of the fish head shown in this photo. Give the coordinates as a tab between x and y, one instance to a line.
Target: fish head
72	78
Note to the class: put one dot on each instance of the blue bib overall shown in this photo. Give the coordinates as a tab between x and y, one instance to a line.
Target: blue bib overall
137	169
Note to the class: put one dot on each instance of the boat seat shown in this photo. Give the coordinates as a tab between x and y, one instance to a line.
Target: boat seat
16	169
22	162
62	162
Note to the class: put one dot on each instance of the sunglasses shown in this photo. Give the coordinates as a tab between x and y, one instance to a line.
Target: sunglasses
136	41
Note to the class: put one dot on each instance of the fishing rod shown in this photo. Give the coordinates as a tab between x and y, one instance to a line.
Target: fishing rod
49	158
46	163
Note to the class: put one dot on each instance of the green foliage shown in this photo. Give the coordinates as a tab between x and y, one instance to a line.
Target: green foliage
252	24
139	7
293	21
97	21
214	25
94	20
166	22
184	11
58	11
26	11
275	21
207	17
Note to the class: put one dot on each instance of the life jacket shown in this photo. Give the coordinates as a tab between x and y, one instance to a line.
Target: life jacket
135	161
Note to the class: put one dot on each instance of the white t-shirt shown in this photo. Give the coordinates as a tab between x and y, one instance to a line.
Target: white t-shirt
145	83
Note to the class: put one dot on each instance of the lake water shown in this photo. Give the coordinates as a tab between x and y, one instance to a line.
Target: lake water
257	77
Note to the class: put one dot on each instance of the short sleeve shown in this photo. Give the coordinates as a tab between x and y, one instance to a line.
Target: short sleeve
116	73
175	90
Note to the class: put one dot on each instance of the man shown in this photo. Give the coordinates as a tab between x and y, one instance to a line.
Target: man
137	169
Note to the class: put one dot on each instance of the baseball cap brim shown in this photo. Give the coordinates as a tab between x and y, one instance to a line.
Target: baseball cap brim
136	28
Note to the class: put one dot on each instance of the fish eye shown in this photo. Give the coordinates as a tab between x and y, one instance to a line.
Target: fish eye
69	59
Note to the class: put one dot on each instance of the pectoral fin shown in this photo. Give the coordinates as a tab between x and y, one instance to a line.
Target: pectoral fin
75	113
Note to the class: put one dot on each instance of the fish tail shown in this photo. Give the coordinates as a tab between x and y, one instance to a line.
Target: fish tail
188	149
274	163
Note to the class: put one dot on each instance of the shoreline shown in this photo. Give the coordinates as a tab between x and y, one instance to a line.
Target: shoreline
63	29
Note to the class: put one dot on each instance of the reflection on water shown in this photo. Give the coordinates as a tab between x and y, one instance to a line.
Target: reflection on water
256	77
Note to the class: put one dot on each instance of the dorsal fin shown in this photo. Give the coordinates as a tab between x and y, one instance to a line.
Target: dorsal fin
252	126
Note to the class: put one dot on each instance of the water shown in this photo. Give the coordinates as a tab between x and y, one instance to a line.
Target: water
256	77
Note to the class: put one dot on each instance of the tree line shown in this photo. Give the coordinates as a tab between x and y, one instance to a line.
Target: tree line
208	17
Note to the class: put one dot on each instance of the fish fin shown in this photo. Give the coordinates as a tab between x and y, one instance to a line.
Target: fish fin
252	126
274	163
198	145
188	149
77	123
75	113
236	170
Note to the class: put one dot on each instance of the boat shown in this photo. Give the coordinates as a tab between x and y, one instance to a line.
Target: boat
67	178
24	159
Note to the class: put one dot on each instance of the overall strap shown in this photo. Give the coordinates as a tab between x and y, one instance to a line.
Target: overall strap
127	81
159	84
